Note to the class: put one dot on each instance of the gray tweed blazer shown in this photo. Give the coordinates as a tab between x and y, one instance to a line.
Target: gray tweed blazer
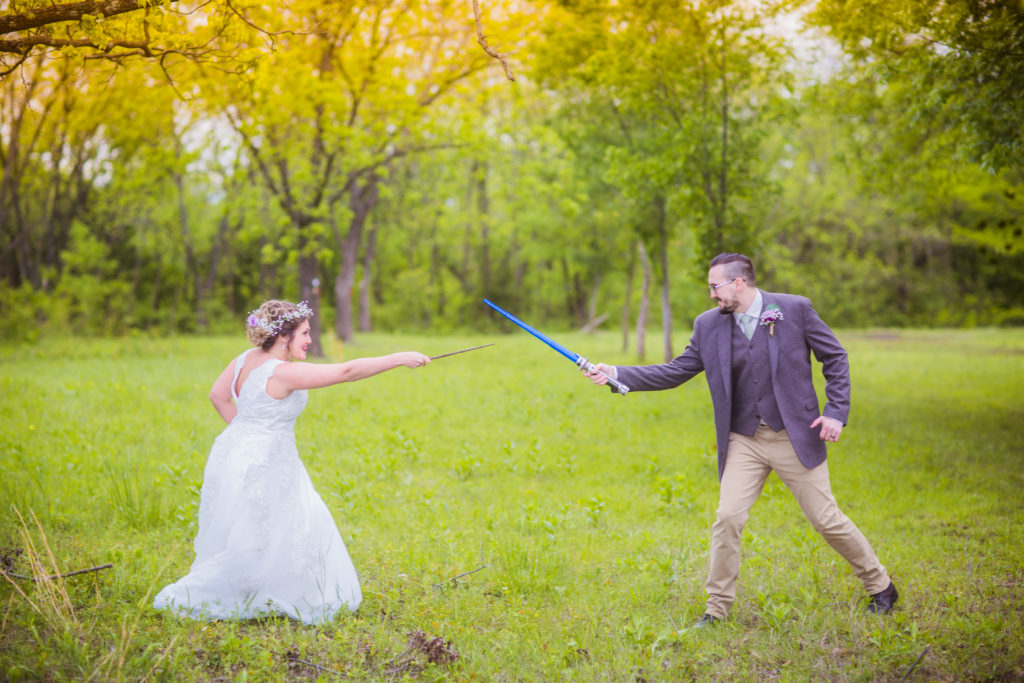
800	333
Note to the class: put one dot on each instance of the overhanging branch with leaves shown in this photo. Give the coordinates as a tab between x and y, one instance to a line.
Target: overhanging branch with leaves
37	17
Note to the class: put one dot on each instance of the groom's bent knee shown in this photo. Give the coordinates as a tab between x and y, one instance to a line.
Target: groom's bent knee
729	523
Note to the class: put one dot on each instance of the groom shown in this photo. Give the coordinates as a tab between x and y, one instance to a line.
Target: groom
755	352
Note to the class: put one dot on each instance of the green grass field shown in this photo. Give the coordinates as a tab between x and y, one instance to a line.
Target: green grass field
587	517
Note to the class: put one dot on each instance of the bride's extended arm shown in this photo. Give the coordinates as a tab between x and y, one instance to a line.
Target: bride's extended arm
292	376
220	394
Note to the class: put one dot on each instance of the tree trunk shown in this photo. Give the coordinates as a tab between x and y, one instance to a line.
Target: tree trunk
518	264
483	210
186	240
344	281
172	324
268	273
29	267
154	302
437	272
309	287
50	252
575	296
592	303
219	245
77	195
229	274
361	201
723	187
666	308
309	284
136	275
10	182
366	283
641	318
465	269
630	270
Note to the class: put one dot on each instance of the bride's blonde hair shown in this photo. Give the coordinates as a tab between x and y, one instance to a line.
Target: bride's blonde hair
275	319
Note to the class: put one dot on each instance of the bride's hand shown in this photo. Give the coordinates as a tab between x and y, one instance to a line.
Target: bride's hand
412	359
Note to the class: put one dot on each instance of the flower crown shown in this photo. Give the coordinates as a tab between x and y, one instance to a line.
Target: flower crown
273	327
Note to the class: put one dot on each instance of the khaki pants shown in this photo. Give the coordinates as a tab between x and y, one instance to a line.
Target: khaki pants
750	460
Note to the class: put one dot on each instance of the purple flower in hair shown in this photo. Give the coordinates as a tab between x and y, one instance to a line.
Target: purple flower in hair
253	320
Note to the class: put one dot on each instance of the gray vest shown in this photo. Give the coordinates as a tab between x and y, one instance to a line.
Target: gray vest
753	399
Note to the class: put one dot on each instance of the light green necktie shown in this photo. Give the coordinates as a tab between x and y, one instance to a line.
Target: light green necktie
748	326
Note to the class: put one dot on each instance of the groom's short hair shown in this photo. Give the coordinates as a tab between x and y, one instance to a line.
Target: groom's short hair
736	265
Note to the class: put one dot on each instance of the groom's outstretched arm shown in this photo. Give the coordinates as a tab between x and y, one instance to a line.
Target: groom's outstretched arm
655	377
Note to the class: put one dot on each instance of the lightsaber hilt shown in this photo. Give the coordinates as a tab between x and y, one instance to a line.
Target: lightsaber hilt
586	366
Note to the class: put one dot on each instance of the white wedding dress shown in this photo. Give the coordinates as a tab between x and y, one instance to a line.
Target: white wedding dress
266	543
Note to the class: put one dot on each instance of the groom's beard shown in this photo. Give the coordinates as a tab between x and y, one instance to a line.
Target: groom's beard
726	308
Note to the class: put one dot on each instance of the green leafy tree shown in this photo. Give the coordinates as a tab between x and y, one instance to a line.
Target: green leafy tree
500	215
687	83
881	237
955	67
52	121
326	114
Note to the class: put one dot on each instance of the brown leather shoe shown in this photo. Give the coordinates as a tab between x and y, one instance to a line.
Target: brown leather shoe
882	603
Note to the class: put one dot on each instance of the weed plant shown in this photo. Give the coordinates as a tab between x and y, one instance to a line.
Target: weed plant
576	522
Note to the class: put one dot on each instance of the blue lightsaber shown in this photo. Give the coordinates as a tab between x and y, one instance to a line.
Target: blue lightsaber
582	363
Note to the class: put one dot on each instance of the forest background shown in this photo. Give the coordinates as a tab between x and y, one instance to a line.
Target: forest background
167	165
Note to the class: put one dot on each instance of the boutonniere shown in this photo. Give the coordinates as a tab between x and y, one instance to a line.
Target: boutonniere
771	315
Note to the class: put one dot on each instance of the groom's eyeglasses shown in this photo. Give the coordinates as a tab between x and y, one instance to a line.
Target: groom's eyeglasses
714	288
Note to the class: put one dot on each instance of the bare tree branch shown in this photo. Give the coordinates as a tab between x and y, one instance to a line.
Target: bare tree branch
20	45
55	576
14	67
271	34
487	48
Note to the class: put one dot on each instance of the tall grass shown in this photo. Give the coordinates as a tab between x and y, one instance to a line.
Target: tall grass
576	523
50	598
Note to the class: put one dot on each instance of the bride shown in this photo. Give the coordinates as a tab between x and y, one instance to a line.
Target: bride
267	543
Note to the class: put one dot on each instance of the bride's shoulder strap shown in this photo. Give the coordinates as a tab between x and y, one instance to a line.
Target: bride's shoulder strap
272	365
239	364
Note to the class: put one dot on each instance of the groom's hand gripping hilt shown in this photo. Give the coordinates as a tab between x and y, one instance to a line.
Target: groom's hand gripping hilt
586	366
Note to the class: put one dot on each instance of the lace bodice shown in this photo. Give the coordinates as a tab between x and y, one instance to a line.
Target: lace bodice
256	407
